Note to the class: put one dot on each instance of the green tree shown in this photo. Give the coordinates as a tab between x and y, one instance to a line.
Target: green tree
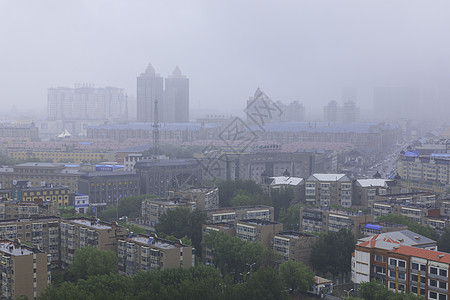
290	217
132	206
180	222
412	225
109	214
230	188
296	276
332	253
376	290
232	255
444	241
90	261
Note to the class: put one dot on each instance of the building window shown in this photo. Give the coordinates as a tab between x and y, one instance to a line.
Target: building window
442	272
432	295
443	285
433	282
433	270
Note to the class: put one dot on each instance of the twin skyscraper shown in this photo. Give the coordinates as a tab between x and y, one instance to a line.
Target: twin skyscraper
172	94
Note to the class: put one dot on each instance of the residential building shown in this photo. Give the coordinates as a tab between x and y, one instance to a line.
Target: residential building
81	232
149	89
374	228
404	262
153	209
279	183
176	98
292	245
25	270
41	232
231	214
85	102
58	195
143	253
159	177
23	210
318	220
204	198
326	189
62	156
19	131
366	190
257	230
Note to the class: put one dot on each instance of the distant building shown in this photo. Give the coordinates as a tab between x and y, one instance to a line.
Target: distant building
393	103
109	187
318	220
25	270
85	102
257	230
150	87
335	113
176	98
26	131
366	190
292	245
159	177
231	214
153	209
374	228
143	253
326	189
204	198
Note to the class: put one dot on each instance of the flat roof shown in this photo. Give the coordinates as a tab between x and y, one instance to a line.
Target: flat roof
91	224
154	242
16	249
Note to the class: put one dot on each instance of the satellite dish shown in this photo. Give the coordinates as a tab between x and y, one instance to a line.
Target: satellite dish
14	182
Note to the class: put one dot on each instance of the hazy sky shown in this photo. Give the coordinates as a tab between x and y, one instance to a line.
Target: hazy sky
293	50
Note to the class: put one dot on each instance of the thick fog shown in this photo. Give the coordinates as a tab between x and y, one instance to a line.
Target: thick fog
293	50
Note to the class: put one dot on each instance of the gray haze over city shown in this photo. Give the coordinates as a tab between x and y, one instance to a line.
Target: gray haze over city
293	50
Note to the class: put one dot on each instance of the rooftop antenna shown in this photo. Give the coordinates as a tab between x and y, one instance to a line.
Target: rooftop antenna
155	131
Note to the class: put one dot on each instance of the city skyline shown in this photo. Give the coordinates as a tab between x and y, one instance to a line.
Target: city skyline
291	50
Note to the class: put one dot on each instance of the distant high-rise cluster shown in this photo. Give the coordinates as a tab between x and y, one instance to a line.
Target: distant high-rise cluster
173	100
335	113
261	110
85	102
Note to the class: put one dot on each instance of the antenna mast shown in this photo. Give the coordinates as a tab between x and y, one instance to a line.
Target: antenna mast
155	131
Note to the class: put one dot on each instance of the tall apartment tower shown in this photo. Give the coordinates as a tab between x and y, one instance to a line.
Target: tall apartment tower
176	98
149	88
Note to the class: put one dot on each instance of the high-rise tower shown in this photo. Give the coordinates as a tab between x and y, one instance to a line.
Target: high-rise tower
176	98
149	89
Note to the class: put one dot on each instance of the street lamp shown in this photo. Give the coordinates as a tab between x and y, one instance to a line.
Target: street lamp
348	292
251	266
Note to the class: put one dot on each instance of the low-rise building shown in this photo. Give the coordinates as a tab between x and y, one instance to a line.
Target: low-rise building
153	209
373	228
142	253
292	245
317	220
231	214
366	190
404	261
205	198
25	270
325	189
80	232
256	230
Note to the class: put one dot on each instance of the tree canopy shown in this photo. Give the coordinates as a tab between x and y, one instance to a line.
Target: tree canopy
332	253
296	276
376	290
412	225
181	222
90	261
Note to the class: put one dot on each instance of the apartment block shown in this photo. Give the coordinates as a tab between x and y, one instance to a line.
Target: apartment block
24	210
80	232
204	198
292	245
366	190
374	228
142	253
153	209
256	230
317	220
403	266
25	270
325	189
417	212
231	214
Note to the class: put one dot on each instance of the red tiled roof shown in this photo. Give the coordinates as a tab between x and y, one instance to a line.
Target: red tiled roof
423	253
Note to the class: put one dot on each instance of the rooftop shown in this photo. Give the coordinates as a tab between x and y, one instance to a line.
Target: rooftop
162	126
16	249
403	237
284	180
155	242
327	177
258	222
91	223
373	182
